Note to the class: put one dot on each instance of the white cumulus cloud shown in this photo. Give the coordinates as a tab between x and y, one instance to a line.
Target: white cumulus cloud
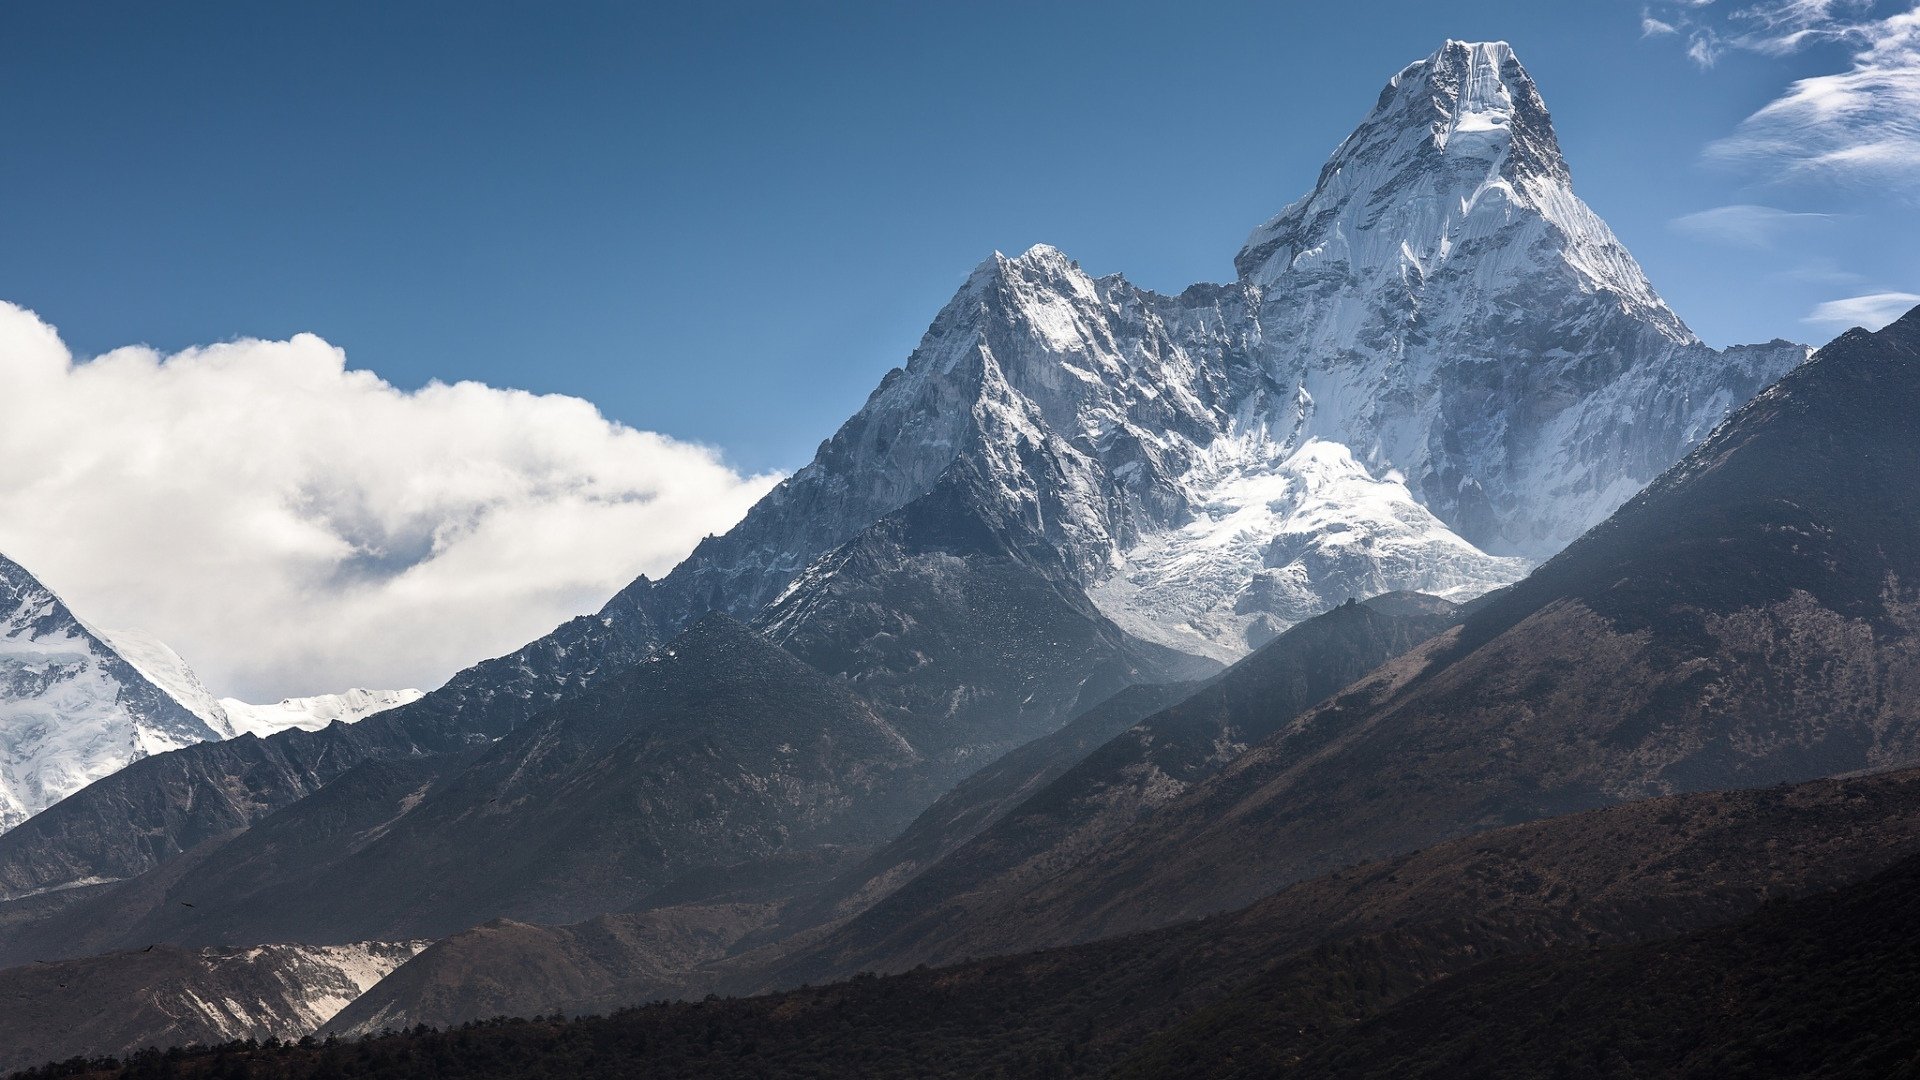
293	526
1872	311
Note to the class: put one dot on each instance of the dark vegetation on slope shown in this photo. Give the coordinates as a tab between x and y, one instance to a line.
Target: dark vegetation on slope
1290	975
1822	987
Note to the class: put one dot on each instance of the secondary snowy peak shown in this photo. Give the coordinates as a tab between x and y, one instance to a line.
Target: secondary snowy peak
79	703
72	709
312	713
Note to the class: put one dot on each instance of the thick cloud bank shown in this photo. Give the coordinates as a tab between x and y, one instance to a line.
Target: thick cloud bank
291	526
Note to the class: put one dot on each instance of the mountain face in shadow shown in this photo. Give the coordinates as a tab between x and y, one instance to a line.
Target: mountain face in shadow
722	751
1122	781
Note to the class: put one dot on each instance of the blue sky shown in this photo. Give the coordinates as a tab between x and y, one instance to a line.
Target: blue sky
724	221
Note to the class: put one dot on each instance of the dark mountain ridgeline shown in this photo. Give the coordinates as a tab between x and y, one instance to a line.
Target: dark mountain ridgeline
1068	798
156	808
978	802
720	751
212	894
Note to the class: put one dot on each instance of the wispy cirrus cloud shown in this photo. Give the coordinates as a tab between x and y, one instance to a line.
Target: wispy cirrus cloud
1861	124
1745	225
1873	311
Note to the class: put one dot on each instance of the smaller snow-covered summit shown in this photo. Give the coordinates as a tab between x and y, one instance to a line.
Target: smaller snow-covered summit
312	713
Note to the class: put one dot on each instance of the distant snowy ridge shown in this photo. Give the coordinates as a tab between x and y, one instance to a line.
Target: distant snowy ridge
312	713
232	716
167	670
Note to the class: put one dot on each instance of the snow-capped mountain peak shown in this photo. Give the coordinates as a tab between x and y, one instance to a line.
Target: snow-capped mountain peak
166	669
1434	369
169	671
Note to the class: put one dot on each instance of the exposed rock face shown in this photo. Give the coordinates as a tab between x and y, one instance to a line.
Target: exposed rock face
167	996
